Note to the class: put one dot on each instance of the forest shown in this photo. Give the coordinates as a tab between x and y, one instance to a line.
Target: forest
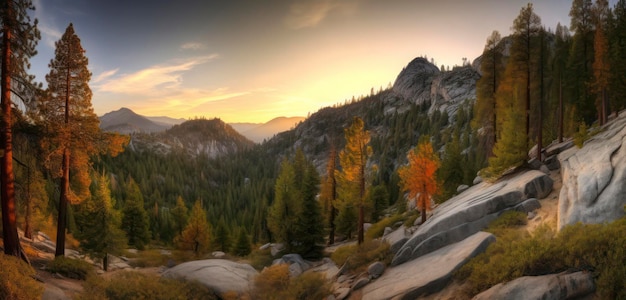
62	175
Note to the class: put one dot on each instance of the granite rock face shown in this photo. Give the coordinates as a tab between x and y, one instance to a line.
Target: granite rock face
546	287
472	211
427	274
217	274
593	178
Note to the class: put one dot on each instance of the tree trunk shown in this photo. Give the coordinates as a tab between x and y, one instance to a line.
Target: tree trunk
331	221
361	237
7	179
65	188
561	108
105	262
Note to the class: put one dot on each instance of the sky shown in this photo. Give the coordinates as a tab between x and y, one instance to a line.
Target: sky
254	60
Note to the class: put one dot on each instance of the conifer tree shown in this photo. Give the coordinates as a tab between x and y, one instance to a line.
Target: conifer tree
19	40
309	233
283	212
419	176
617	43
179	215
491	68
510	150
221	236
379	198
72	133
580	60
135	220
99	224
353	159
242	246
328	194
601	64
562	46
197	234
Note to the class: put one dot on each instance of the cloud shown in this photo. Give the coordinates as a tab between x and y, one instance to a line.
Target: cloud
309	13
104	75
191	46
155	80
49	33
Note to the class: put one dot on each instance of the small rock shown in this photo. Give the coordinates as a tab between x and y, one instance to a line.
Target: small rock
387	231
534	163
461	188
397	224
100	272
544	169
342	293
133	251
218	254
266	246
376	269
342	278
553	163
531	215
166	252
366	226
361	282
477	180
277	248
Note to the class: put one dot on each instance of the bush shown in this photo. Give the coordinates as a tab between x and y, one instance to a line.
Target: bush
357	258
596	248
16	281
260	259
275	283
71	268
377	229
135	285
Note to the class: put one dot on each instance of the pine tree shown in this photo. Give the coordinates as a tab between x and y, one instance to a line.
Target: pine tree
510	150
99	224
197	234
328	195
19	40
491	68
562	45
242	246
419	176
135	220
309	233
179	215
580	60
601	64
353	159
284	211
451	171
221	236
617	47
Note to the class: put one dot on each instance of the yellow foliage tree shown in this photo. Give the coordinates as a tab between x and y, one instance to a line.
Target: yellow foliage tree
197	235
418	177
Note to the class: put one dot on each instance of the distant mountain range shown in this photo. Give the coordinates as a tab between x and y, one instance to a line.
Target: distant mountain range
126	121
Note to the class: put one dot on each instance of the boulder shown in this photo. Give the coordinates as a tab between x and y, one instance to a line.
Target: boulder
528	206
217	274
396	238
297	265
427	274
376	269
359	283
218	254
328	268
387	231
462	188
546	287
593	188
472	211
477	180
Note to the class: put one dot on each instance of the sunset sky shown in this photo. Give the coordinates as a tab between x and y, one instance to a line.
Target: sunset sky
253	60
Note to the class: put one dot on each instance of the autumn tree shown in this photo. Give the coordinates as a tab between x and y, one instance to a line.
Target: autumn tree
135	220
19	40
197	234
418	178
351	178
99	223
491	68
179	215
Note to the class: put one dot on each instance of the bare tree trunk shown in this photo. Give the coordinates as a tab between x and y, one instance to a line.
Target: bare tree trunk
561	108
65	188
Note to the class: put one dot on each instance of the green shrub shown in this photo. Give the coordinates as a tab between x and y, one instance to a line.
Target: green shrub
71	268
135	285
357	258
16	281
377	229
596	248
260	259
275	283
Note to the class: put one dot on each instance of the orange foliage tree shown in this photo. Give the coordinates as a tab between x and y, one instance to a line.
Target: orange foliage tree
418	177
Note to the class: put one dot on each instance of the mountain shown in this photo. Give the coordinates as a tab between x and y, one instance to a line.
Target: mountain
126	121
212	138
260	132
166	121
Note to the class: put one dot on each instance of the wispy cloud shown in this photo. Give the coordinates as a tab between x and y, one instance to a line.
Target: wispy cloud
309	13
104	76
192	46
155	80
49	33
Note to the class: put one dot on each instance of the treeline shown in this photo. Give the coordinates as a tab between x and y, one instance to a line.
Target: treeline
551	83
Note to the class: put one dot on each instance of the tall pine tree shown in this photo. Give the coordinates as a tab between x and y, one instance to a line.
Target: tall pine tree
19	39
135	220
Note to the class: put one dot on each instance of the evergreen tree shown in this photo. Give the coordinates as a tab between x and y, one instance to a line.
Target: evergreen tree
71	128
221	236
328	194
601	64
379	197
346	221
617	45
353	159
562	45
197	234
284	211
510	150
491	68
309	233
451	171
99	224
179	215
242	246
135	220
580	60
19	40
